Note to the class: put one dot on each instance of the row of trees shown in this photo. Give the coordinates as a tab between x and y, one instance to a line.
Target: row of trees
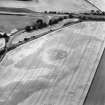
56	20
5	36
97	12
55	12
39	24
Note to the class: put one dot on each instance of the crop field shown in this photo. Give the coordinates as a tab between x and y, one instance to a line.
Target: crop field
56	69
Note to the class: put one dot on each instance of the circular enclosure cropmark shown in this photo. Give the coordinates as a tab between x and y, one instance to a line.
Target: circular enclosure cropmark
57	54
54	55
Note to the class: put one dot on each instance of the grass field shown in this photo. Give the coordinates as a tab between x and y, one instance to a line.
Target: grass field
9	22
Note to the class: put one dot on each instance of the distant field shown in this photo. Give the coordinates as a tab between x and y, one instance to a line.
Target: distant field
59	5
9	22
9	9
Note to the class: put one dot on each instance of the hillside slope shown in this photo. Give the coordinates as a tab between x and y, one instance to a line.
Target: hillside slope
59	5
